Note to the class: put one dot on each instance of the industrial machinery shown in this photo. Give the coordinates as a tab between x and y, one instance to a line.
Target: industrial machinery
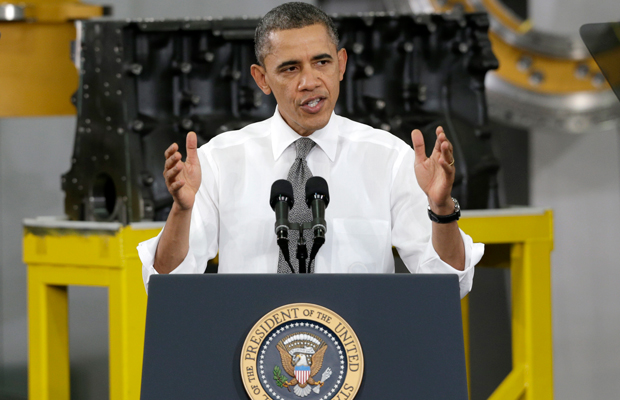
545	80
145	83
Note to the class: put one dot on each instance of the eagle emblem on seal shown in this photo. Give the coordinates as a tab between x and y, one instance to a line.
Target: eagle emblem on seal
302	358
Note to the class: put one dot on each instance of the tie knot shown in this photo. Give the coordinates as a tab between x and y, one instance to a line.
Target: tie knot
303	147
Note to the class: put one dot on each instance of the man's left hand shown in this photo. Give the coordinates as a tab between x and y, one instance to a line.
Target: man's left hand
435	174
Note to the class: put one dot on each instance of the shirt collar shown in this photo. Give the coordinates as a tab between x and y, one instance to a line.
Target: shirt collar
282	136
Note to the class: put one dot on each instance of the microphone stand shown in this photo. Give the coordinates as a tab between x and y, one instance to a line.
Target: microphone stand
302	250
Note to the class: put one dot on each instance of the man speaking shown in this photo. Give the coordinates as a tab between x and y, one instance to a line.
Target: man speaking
382	194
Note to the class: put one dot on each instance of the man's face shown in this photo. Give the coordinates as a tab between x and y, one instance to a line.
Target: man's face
303	69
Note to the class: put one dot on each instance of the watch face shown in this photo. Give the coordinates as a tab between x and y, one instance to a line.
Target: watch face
457	206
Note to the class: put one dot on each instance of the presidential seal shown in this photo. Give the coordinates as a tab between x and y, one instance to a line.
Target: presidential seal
304	351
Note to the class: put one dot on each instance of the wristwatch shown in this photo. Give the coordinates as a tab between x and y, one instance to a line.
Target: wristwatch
446	219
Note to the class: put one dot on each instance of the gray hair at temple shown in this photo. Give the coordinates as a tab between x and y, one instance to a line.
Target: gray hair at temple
293	15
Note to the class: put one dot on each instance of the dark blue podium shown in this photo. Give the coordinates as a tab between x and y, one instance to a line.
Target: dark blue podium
409	327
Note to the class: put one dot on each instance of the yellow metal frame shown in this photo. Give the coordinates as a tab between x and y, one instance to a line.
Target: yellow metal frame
59	254
77	254
522	241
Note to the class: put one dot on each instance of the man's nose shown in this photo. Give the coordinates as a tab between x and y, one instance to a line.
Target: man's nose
309	79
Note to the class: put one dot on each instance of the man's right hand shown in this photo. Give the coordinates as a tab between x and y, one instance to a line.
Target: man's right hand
183	178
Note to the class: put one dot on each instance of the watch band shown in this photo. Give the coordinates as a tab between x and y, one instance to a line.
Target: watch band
446	219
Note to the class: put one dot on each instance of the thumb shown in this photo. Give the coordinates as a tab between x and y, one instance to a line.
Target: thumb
418	145
191	145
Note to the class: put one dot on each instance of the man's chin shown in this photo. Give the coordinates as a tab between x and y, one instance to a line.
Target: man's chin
315	123
305	124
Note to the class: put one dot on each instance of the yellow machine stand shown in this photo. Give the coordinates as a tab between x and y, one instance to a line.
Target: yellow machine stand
63	253
521	240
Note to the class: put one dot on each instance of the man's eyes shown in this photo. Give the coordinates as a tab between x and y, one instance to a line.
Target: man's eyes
294	68
289	69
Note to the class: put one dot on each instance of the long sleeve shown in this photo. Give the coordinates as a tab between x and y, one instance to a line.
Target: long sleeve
204	227
411	228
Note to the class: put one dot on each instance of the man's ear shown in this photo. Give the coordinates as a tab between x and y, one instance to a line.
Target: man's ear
258	73
342	62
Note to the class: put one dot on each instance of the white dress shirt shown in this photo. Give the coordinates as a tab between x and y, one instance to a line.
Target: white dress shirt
375	203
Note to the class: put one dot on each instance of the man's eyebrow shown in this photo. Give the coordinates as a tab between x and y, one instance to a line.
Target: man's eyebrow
287	63
295	62
322	57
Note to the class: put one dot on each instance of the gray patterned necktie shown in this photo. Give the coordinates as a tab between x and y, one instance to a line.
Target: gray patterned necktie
298	175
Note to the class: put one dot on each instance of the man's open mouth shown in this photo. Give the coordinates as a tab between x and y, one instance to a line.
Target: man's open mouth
314	105
314	102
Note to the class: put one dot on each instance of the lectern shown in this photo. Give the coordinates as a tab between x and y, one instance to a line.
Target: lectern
198	328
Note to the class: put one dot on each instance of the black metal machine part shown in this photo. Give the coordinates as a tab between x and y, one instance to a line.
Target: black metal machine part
145	83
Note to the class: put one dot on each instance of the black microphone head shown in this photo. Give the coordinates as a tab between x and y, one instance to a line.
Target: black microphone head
316	185
283	188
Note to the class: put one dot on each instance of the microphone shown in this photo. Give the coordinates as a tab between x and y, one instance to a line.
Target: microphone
317	198
281	201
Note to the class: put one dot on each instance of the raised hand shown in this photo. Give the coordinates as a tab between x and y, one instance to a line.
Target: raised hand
183	178
435	174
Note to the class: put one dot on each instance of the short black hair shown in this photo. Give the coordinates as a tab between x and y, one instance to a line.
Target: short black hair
293	15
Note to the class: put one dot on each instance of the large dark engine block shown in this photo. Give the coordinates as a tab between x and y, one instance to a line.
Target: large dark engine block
145	83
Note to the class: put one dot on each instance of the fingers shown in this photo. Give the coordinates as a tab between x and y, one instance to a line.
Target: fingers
171	150
191	145
442	151
173	164
172	160
447	157
176	172
174	182
172	168
444	147
418	145
170	174
441	137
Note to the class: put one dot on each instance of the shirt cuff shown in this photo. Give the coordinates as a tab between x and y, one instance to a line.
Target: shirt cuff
433	264
146	252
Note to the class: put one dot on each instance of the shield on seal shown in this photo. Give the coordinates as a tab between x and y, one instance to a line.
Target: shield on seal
302	372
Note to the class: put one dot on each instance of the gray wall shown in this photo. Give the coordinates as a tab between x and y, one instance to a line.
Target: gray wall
33	154
566	16
577	176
